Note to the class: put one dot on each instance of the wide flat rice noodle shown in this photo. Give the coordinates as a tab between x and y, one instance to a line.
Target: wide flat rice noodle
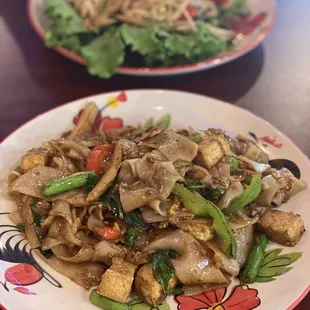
195	266
86	274
84	254
31	183
173	146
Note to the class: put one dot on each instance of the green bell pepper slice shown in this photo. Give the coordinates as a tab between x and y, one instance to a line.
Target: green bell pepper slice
249	195
202	207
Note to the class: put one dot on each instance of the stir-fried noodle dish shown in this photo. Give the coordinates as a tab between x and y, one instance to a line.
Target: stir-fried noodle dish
151	211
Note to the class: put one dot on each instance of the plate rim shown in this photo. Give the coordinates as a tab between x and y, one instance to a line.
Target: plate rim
207	64
148	90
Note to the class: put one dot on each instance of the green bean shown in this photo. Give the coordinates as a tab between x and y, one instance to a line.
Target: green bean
75	181
255	260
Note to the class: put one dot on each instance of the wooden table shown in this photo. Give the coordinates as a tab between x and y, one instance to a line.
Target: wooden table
273	81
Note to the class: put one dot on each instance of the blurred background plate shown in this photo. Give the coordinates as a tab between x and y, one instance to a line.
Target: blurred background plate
39	22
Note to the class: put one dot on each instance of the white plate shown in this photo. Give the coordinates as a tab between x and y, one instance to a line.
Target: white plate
55	291
40	24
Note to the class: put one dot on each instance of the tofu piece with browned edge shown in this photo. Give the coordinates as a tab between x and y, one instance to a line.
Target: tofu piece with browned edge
33	158
116	282
147	287
212	149
282	227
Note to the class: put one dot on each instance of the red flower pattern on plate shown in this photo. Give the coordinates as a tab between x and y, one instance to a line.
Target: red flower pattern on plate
106	122
271	141
22	274
241	298
111	123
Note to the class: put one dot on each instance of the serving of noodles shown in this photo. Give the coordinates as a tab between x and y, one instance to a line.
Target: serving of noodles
171	14
151	210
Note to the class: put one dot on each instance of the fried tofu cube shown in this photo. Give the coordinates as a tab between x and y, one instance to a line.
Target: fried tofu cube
147	287
117	281
282	227
33	158
212	149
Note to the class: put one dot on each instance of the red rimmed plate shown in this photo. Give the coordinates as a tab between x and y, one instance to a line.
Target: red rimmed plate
39	23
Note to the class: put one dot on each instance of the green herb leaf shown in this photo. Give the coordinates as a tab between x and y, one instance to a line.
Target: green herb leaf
92	180
132	235
233	162
164	121
134	218
163	268
275	265
36	216
21	227
115	206
47	253
212	194
105	53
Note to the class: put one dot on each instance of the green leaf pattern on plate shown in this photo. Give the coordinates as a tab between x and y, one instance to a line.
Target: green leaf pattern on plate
275	265
163	121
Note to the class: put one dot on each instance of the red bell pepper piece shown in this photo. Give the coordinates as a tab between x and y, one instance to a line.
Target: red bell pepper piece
95	156
109	233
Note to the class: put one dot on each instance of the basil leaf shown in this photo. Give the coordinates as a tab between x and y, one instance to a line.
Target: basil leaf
36	216
92	180
163	268
132	235
115	206
134	218
21	227
233	162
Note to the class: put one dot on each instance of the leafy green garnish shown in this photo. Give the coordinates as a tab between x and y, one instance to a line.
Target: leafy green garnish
163	268
132	235
47	253
141	40
212	194
105	53
115	206
275	265
113	201
233	162
92	180
134	218
36	216
21	227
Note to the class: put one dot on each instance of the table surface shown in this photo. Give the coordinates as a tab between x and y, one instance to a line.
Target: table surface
273	81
